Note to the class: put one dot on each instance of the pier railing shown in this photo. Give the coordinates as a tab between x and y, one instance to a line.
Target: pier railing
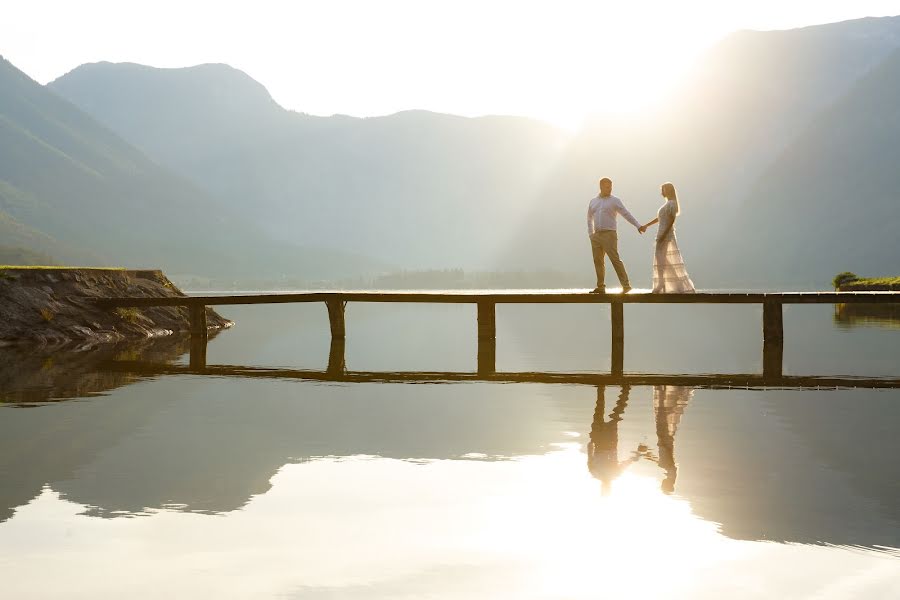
486	302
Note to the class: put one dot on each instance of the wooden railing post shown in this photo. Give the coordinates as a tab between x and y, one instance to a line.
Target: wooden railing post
773	338
199	335
617	318
336	317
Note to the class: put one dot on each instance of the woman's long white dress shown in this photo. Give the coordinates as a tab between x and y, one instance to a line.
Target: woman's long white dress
669	274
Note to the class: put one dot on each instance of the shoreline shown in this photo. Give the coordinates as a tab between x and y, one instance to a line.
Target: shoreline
54	306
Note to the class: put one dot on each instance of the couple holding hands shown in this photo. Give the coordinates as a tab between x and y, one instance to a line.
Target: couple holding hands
669	274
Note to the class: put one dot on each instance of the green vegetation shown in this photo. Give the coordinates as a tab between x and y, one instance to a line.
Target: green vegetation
850	281
843	279
130	314
879	281
56	268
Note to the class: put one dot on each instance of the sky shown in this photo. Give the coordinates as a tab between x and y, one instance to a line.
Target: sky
557	60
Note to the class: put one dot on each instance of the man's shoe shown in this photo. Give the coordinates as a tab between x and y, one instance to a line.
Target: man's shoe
598	291
626	289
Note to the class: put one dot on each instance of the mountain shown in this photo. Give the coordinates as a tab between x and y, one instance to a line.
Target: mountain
424	190
833	195
22	245
416	188
757	90
178	116
65	177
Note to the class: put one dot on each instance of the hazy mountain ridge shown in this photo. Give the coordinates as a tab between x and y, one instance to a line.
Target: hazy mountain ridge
23	245
837	184
404	187
224	104
757	90
65	177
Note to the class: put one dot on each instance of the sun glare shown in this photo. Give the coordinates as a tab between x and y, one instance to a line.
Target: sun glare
600	540
560	62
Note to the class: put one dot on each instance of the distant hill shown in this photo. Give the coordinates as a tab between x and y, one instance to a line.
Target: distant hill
177	116
72	188
13	255
22	245
416	188
833	195
757	90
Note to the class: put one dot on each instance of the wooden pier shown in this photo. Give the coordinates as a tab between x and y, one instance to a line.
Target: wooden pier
486	302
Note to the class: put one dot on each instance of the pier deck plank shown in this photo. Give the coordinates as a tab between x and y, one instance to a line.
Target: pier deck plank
514	297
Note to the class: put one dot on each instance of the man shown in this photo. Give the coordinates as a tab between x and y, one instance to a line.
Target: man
601	220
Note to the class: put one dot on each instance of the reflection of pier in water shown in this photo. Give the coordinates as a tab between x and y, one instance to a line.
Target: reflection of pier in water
337	372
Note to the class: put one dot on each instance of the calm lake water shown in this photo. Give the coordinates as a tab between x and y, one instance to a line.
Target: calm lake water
122	484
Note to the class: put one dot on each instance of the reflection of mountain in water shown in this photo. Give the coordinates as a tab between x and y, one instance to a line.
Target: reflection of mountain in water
793	466
788	466
210	444
40	446
799	466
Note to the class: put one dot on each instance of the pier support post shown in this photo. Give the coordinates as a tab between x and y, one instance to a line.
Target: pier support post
487	320
487	337
336	318
487	357
617	318
337	362
199	336
773	339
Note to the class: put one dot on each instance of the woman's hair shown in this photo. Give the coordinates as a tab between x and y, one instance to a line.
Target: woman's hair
668	190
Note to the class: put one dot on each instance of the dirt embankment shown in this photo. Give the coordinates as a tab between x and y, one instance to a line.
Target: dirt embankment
56	307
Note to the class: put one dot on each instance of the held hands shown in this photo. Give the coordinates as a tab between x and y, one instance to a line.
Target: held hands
642	229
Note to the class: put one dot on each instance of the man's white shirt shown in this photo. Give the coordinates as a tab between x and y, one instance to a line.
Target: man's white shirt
602	214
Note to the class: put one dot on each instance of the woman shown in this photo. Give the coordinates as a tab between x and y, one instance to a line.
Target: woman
669	274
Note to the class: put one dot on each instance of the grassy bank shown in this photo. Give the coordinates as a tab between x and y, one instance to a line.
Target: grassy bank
57	268
850	281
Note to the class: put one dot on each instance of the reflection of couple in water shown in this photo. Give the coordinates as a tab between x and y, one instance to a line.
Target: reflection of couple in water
669	403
